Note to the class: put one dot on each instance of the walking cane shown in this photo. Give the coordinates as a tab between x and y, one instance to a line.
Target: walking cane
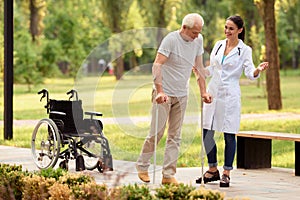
155	141
202	144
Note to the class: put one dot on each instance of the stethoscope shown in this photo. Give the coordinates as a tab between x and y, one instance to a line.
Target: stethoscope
239	49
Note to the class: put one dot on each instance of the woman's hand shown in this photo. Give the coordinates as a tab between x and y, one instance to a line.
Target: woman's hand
263	66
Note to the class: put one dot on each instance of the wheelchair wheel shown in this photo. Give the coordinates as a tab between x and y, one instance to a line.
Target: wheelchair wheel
91	152
45	144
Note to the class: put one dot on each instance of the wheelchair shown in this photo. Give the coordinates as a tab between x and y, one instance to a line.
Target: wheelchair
67	134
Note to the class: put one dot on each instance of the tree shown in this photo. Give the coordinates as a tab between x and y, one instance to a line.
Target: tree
267	12
37	14
115	16
288	33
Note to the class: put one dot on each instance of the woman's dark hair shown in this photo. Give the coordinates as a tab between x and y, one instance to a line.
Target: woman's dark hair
240	24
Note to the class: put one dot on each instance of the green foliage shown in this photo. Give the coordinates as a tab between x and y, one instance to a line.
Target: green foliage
15	184
75	179
131	192
91	190
11	182
51	173
51	54
202	193
67	31
25	62
174	192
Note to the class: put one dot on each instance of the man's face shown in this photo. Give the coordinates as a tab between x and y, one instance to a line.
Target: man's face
192	33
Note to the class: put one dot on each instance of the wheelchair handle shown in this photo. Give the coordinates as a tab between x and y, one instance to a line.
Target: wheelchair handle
72	92
45	94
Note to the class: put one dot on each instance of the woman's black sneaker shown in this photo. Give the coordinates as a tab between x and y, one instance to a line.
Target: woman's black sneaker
224	182
214	176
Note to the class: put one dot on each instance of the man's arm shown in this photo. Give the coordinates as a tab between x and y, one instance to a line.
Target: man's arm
160	59
200	73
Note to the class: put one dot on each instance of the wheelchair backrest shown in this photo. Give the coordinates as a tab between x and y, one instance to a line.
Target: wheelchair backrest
73	111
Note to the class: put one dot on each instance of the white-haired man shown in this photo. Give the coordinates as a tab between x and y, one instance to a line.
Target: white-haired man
178	53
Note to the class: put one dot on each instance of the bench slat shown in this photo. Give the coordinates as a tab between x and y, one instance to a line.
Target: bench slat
270	135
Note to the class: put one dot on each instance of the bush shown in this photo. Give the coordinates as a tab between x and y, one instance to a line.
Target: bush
206	194
36	187
90	190
60	185
11	181
52	173
174	192
59	191
132	192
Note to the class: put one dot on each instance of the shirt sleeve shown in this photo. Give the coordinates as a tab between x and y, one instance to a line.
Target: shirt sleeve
166	45
200	49
248	65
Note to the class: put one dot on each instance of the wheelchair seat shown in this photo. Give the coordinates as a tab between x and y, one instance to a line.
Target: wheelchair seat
73	114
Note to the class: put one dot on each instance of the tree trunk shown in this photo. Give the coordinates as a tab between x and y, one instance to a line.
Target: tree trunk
119	71
37	13
266	8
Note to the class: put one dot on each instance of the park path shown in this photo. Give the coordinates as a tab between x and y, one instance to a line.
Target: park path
126	120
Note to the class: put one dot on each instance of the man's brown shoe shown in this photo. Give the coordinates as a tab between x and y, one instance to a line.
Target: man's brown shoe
169	181
144	176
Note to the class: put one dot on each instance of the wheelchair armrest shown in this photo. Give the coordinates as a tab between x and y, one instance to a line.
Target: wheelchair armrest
92	113
58	113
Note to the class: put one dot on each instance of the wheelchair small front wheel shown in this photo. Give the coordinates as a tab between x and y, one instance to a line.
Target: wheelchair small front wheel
91	154
45	144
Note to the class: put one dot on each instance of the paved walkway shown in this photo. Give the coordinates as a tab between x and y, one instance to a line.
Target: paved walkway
264	184
194	119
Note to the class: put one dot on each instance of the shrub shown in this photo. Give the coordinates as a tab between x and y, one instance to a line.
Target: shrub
207	194
174	192
52	173
59	191
60	185
132	192
36	187
90	190
11	181
75	179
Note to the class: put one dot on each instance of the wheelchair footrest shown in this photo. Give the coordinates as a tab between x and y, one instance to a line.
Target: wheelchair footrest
80	163
108	163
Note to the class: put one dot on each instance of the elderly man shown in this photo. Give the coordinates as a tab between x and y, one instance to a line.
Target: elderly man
178	53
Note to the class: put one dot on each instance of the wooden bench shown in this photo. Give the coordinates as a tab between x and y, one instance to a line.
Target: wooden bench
254	149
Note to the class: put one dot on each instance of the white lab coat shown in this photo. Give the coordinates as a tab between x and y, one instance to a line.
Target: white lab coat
223	114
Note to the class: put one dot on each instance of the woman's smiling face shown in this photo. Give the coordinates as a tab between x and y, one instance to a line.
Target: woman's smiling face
231	30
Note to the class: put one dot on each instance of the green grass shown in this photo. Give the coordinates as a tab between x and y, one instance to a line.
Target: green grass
131	97
126	141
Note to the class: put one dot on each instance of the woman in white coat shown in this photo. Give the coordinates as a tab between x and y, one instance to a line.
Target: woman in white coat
228	60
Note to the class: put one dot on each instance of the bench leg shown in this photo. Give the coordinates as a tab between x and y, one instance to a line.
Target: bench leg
297	158
254	153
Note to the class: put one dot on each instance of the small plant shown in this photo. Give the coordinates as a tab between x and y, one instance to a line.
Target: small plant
90	190
52	173
75	179
11	181
206	194
59	191
36	187
174	192
131	192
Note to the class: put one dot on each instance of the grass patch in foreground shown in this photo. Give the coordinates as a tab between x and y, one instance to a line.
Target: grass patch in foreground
126	141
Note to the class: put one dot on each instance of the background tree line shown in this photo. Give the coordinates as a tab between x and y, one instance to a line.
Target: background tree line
53	38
